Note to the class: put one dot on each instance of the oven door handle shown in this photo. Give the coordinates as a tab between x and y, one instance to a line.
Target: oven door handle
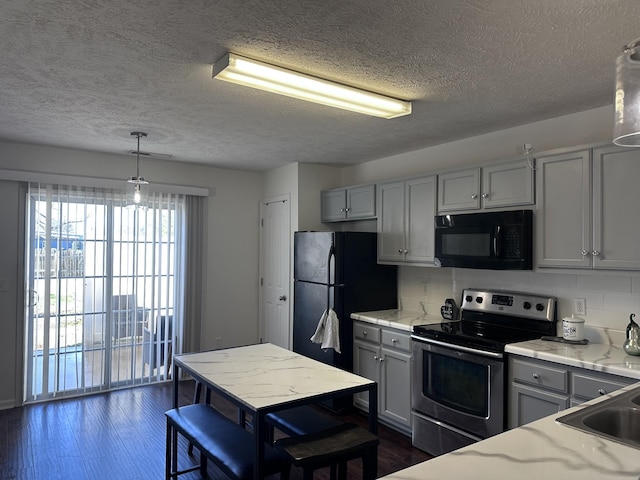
458	347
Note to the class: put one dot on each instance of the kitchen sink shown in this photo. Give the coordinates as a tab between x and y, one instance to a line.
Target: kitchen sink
617	419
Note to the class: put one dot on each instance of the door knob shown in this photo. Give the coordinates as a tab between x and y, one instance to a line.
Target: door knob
282	298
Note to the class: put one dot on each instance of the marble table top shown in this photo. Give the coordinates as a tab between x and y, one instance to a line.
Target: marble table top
544	449
265	375
400	319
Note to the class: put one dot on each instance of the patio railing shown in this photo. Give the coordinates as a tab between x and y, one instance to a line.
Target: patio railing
67	263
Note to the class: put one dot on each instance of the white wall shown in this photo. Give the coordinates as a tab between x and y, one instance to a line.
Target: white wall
610	296
312	180
576	129
230	305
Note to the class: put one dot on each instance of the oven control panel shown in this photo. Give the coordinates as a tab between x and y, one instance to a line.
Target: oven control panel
519	304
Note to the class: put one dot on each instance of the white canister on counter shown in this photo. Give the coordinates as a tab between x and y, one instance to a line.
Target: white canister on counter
573	328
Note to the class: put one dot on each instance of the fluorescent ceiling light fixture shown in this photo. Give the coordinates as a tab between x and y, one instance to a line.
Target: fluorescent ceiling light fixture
626	127
263	76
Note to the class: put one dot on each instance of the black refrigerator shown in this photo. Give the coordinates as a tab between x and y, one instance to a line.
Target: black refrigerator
337	270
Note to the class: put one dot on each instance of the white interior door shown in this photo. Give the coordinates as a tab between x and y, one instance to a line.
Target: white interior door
275	253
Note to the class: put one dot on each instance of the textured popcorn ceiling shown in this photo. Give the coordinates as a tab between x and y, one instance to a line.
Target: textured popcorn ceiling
85	73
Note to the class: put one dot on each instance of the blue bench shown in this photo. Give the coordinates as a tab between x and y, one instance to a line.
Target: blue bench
228	445
299	421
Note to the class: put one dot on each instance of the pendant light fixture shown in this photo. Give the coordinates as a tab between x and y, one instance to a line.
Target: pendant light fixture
271	78
137	187
626	128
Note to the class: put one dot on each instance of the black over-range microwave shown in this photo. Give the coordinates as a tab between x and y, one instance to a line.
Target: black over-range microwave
494	241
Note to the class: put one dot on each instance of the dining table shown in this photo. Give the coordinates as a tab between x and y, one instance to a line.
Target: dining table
264	378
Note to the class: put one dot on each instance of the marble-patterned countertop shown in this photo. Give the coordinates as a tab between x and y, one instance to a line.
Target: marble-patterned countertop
544	449
265	375
400	319
601	357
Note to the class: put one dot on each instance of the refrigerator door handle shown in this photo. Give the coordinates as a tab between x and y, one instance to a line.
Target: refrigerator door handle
332	253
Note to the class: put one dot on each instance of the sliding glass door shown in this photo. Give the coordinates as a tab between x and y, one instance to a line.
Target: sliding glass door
105	290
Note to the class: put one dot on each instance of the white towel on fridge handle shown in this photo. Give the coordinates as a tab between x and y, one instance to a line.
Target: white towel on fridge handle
327	331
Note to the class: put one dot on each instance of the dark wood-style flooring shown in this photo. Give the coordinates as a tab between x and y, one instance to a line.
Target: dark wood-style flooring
121	435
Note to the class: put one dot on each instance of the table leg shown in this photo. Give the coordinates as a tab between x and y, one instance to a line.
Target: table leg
259	434
373	408
175	385
372	461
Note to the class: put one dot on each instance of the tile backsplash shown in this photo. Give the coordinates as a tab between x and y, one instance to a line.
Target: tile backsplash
610	298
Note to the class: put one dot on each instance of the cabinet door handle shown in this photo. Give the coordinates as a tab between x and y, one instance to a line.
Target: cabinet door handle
364	333
536	376
375	357
584	253
381	359
347	209
595	253
342	210
474	196
485	195
602	391
400	251
394	340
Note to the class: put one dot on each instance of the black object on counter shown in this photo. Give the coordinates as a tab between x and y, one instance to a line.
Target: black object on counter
449	310
584	341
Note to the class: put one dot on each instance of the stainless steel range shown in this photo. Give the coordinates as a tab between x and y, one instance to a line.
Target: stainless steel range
458	370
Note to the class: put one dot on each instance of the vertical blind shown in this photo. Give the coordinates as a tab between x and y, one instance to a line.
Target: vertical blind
106	289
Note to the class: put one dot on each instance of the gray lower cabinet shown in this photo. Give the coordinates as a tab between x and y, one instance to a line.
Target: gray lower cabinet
538	388
384	354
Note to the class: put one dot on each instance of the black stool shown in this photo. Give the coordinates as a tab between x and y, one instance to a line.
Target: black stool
333	446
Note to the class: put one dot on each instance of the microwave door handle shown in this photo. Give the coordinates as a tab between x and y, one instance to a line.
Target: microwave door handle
496	242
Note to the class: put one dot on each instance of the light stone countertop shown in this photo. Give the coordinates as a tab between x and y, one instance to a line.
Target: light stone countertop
544	449
400	319
601	357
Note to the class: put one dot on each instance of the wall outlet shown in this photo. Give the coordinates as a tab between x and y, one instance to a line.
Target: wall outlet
579	306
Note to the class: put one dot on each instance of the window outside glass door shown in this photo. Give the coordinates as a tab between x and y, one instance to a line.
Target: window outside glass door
105	290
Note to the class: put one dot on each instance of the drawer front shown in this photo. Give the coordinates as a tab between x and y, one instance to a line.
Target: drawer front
555	379
394	339
589	387
366	331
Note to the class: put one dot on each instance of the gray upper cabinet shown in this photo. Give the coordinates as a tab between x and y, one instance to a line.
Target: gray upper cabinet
615	191
507	185
459	190
563	219
495	186
582	196
405	221
348	203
